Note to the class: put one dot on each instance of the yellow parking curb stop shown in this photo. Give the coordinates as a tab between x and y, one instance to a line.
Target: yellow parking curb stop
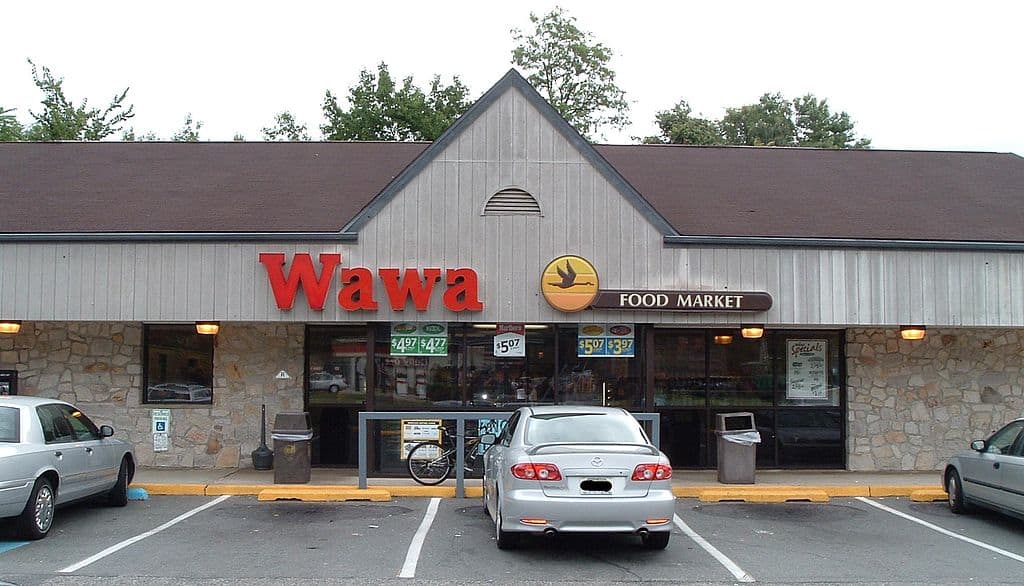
323	494
762	495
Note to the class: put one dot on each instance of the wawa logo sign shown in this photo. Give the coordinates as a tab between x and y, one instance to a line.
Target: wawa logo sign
358	284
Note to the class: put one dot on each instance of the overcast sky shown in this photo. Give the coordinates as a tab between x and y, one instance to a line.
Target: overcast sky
913	75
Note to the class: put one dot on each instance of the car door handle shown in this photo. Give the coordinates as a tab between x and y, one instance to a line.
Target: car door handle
59	454
996	465
88	450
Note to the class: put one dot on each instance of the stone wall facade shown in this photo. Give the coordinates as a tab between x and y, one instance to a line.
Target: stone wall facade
98	366
911	405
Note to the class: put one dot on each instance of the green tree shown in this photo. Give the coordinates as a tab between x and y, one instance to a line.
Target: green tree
817	126
130	136
61	119
285	128
570	69
678	126
769	122
10	128
380	109
189	131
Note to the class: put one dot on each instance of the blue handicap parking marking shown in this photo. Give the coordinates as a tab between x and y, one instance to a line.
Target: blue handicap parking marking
9	545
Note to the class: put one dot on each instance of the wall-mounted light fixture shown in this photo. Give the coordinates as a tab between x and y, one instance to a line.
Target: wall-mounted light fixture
752	331
10	326
207	327
722	339
912	332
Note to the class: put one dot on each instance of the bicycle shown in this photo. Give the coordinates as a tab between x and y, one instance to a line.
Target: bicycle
430	462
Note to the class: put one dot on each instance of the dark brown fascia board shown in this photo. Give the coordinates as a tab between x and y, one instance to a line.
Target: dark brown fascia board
859	243
345	237
512	79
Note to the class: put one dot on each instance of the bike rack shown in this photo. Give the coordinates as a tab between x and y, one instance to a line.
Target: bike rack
460	418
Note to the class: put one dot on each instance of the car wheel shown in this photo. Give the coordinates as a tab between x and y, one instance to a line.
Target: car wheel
504	539
657	540
118	496
334	388
37	518
955	492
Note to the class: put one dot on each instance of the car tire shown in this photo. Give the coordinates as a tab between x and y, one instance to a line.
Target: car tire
955	492
503	539
37	517
658	540
118	495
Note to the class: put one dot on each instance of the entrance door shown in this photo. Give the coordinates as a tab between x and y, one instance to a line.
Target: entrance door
335	392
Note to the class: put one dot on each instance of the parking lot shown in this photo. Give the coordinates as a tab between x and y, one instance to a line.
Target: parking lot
188	539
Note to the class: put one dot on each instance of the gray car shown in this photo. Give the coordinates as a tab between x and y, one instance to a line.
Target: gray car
572	469
991	475
51	454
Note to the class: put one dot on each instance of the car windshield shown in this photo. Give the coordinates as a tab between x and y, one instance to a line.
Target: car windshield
582	427
9	431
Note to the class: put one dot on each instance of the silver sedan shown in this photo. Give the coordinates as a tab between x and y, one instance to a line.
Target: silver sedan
51	454
991	475
568	469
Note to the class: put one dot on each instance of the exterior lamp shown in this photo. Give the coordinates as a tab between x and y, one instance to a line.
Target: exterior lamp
723	339
207	327
912	332
752	331
10	326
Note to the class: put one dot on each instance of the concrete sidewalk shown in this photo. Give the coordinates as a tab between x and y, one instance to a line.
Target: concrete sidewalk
336	484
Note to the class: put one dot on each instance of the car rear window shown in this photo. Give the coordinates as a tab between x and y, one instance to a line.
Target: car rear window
582	427
9	430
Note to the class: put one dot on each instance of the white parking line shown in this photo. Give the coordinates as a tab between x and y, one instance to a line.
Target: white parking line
140	537
721	557
413	556
980	544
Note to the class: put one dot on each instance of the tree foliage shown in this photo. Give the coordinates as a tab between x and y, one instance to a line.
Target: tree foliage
285	128
570	69
380	109
189	131
61	119
10	128
773	121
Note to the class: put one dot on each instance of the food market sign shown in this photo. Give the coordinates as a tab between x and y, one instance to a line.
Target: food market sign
683	300
414	339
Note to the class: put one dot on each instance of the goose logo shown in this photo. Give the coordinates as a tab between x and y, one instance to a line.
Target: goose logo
569	283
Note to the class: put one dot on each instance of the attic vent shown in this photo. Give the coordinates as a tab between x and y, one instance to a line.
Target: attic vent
512	202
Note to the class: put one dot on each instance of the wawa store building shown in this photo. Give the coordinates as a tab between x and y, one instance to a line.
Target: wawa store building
867	307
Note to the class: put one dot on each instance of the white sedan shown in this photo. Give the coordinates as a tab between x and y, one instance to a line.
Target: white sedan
991	475
51	454
566	469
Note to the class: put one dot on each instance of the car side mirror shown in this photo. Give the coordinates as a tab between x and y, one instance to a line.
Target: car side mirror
978	445
487	438
106	431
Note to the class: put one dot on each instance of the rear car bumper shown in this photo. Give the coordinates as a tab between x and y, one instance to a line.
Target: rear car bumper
586	514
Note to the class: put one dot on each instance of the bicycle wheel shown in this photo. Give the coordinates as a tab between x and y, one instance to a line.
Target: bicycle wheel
428	463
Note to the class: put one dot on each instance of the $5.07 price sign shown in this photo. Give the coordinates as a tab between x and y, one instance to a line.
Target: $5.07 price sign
510	341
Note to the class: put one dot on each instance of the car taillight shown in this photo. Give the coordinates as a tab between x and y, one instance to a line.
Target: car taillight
536	472
652	472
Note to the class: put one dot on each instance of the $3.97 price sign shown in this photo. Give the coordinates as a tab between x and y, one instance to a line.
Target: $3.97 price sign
607	341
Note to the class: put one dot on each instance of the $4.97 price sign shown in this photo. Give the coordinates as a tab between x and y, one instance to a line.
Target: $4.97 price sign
510	341
607	341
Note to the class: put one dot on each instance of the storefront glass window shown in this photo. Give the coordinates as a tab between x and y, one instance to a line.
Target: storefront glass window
808	367
510	382
679	369
417	383
179	365
739	370
336	368
615	382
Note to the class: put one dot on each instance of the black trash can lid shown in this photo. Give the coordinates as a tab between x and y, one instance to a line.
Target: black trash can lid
291	422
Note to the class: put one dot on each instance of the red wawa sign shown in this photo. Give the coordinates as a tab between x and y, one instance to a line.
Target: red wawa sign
357	284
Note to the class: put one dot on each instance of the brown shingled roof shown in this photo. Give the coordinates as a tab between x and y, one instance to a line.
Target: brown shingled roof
320	186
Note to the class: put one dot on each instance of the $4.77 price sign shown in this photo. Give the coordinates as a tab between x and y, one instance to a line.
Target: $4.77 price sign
510	341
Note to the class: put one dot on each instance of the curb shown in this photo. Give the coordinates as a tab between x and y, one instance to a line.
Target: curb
707	493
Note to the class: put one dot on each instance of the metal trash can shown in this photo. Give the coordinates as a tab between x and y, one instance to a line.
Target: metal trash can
737	447
292	437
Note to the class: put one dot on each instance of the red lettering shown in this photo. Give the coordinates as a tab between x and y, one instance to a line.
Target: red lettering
463	291
410	286
357	290
301	273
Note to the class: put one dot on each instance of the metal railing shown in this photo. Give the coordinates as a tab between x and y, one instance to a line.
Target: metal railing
460	418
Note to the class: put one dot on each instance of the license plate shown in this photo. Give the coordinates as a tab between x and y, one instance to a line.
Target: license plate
596	486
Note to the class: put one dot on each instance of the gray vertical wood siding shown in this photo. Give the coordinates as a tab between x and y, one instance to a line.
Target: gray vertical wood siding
436	221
